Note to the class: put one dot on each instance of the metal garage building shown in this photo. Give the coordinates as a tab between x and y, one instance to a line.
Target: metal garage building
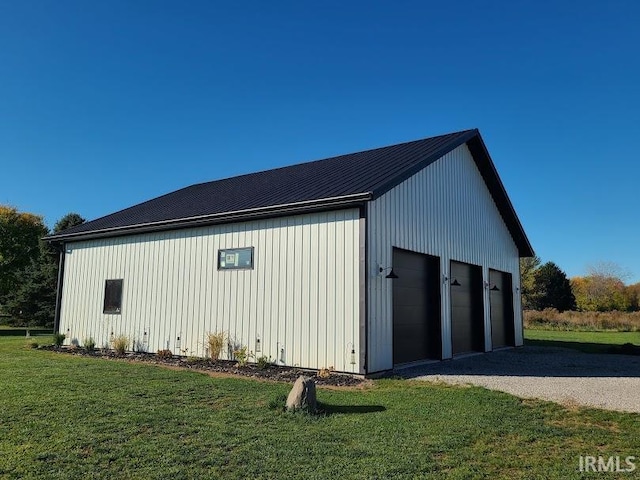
294	263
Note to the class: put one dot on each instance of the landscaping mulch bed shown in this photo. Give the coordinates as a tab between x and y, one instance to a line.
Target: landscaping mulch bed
271	372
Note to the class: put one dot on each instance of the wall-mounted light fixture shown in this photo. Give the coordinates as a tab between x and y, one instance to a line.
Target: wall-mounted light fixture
258	345
455	283
391	273
493	288
145	340
445	279
178	344
352	354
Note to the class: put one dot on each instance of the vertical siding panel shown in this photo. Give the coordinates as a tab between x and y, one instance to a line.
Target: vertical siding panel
277	278
291	259
331	288
284	253
340	290
313	339
252	282
350	295
157	321
306	285
221	294
152	285
324	260
263	307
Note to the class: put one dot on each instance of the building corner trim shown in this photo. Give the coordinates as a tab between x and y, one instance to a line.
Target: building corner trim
56	319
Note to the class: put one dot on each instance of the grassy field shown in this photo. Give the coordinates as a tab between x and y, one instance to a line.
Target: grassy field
590	342
74	417
551	319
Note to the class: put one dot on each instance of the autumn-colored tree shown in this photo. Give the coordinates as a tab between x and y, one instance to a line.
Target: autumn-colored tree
603	289
528	267
633	294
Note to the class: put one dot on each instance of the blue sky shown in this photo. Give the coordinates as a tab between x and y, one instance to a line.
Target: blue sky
105	104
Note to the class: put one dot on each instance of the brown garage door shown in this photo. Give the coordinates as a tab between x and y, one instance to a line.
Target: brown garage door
467	317
416	307
501	296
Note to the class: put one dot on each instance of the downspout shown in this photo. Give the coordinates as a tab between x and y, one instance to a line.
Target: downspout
364	291
56	319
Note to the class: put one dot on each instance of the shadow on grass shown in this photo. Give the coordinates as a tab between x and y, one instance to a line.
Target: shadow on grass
328	409
626	349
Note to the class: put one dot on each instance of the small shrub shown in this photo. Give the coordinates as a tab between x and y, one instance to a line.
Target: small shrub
242	356
89	344
32	344
325	372
164	354
216	343
58	339
120	344
263	362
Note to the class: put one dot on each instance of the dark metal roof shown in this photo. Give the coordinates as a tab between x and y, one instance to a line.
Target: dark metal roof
346	180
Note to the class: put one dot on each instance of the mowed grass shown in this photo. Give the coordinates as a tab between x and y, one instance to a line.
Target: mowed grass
74	417
590	342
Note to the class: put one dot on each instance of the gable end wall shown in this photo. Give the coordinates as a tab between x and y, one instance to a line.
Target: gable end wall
444	210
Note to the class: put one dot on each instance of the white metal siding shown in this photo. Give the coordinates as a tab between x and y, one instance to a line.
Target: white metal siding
444	210
301	298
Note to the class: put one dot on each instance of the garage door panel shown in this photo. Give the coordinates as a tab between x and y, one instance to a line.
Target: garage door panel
467	311
501	306
411	296
410	276
416	307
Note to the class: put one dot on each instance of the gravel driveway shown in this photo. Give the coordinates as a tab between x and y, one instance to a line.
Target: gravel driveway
561	375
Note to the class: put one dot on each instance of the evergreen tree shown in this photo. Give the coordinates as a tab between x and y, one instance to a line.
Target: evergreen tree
33	301
29	286
552	289
20	237
68	221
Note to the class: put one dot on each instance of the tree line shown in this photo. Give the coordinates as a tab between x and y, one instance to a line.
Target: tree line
29	266
602	289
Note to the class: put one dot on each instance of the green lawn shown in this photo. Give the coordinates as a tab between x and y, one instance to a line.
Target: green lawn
590	342
74	417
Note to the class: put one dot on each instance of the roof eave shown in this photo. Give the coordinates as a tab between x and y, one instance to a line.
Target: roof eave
490	175
346	201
